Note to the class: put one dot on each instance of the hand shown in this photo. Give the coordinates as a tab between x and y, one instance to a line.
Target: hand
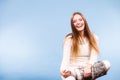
66	73
87	71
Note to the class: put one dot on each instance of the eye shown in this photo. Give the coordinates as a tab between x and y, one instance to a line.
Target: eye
74	21
80	19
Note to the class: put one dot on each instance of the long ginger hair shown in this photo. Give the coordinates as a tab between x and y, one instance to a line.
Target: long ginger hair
76	40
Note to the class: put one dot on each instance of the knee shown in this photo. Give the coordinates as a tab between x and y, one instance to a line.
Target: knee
107	64
70	78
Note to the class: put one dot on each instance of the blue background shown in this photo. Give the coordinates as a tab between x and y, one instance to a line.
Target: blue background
32	32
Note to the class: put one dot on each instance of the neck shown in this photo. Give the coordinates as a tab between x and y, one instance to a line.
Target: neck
82	34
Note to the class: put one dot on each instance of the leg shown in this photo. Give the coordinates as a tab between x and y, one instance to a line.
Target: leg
70	78
76	74
99	69
79	74
107	64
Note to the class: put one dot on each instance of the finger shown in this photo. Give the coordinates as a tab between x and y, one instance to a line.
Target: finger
64	71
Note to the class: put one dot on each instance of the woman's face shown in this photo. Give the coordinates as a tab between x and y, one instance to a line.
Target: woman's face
78	22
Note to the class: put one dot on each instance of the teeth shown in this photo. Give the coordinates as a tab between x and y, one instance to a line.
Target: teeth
79	25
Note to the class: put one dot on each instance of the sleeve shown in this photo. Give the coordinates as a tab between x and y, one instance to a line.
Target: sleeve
66	55
94	54
93	57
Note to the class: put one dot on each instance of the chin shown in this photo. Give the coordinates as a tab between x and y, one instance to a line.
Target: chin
80	29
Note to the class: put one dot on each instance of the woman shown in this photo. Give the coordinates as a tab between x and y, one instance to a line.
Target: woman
80	52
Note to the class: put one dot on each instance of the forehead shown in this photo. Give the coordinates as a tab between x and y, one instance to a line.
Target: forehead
76	16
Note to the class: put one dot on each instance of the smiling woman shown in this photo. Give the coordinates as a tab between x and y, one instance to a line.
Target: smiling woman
78	22
31	33
80	53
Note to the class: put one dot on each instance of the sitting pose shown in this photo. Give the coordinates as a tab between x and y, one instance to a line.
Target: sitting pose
80	53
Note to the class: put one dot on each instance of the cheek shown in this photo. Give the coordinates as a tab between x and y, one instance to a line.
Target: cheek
82	22
74	24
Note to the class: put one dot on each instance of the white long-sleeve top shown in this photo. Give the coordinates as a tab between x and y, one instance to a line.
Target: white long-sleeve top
85	57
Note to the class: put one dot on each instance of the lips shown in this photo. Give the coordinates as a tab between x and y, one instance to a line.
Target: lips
79	25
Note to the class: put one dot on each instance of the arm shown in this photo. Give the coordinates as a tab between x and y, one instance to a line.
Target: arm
93	59
94	54
66	58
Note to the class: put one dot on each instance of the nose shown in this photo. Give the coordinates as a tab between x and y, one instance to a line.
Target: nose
78	22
